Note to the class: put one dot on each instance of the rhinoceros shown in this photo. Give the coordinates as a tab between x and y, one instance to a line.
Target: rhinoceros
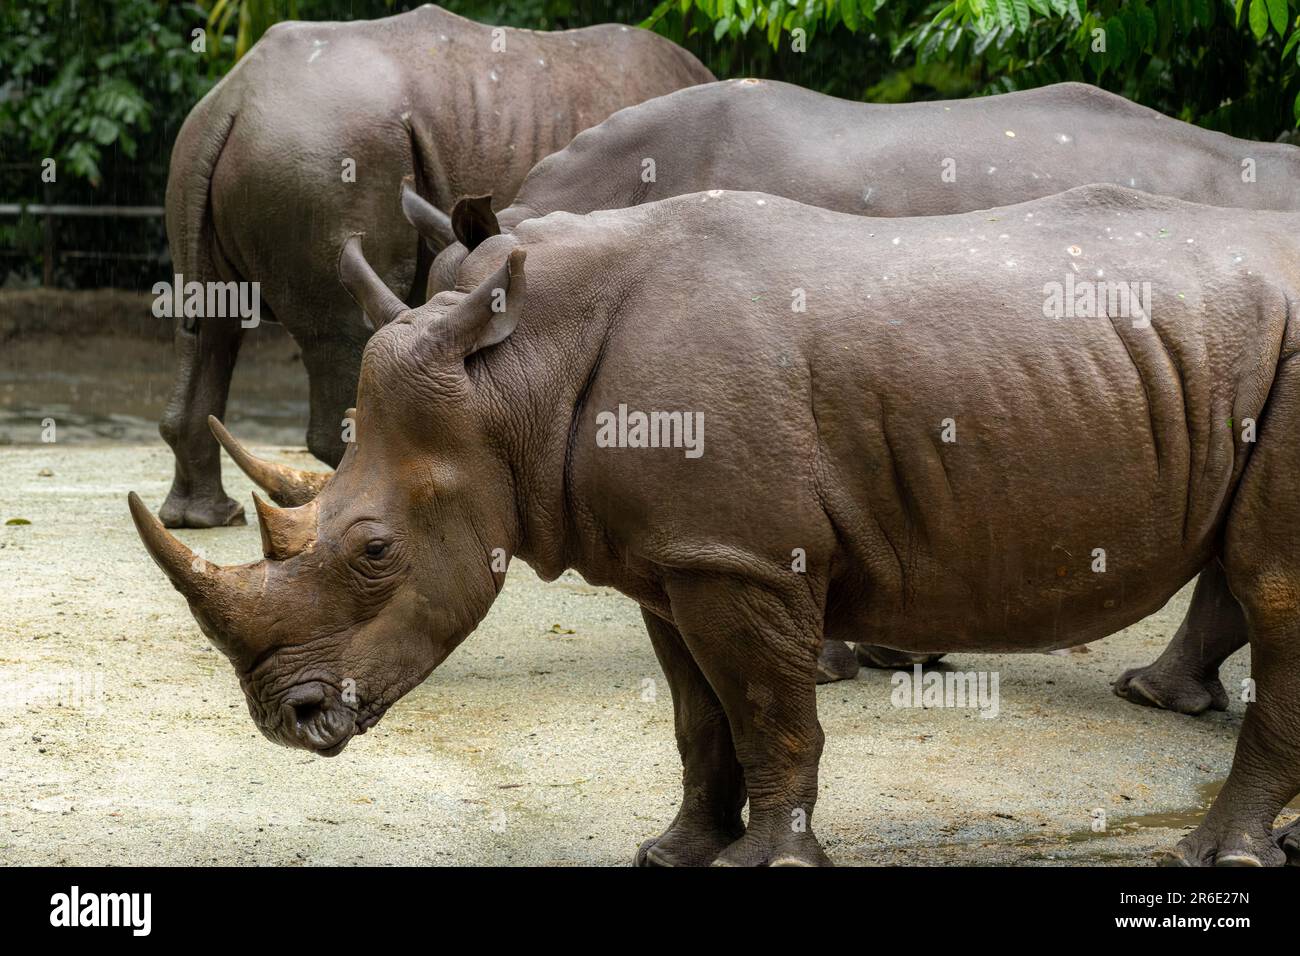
927	428
301	144
910	159
906	160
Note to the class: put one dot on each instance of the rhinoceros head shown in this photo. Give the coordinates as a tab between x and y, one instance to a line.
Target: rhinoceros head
367	587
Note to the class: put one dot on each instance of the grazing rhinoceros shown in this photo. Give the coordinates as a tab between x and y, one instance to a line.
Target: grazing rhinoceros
914	159
895	403
303	143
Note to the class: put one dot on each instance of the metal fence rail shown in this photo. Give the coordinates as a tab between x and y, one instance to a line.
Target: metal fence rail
50	212
40	209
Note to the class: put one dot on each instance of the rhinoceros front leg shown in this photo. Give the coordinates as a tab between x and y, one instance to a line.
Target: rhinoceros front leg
205	359
713	785
1185	678
758	652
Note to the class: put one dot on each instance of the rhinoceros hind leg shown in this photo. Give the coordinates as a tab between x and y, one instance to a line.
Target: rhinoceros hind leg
333	363
1261	558
713	784
1185	677
836	662
205	360
888	659
755	648
1265	775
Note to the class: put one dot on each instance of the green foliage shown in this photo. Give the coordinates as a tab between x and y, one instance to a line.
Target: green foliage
82	80
101	87
251	18
1227	64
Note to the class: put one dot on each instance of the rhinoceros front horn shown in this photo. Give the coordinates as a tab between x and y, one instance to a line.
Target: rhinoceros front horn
369	291
433	225
197	579
288	487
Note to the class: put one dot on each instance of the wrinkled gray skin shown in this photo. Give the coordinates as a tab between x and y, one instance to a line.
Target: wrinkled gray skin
824	431
256	189
887	160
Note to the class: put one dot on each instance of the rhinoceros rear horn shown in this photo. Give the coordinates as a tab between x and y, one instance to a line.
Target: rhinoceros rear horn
473	221
377	301
488	314
288	487
285	531
433	225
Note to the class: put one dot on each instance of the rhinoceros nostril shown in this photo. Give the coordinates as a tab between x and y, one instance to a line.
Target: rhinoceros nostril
306	703
304	714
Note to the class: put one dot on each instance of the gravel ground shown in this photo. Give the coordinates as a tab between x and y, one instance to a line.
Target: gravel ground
546	739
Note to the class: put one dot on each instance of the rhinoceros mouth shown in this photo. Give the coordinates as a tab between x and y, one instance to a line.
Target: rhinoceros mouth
314	717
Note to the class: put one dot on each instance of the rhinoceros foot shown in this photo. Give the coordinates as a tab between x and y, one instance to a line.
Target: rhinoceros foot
836	662
782	848
1288	838
682	845
886	658
187	511
1227	846
1159	685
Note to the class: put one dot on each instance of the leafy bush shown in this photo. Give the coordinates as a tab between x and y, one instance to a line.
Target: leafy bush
101	89
1226	64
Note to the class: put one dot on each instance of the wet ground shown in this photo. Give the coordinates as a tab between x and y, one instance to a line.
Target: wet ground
547	738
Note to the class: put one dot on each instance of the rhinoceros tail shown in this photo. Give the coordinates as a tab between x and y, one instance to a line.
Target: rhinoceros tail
193	242
190	232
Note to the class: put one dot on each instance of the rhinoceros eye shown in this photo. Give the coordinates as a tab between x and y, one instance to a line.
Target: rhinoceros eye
372	550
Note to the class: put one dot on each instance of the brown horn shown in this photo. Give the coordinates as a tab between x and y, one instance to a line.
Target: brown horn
225	601
433	225
288	487
377	301
192	576
285	531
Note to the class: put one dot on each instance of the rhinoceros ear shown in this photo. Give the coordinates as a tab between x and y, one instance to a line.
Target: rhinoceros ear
473	221
433	225
485	316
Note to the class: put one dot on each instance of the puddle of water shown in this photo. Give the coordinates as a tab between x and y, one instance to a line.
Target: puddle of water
1181	819
1168	819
